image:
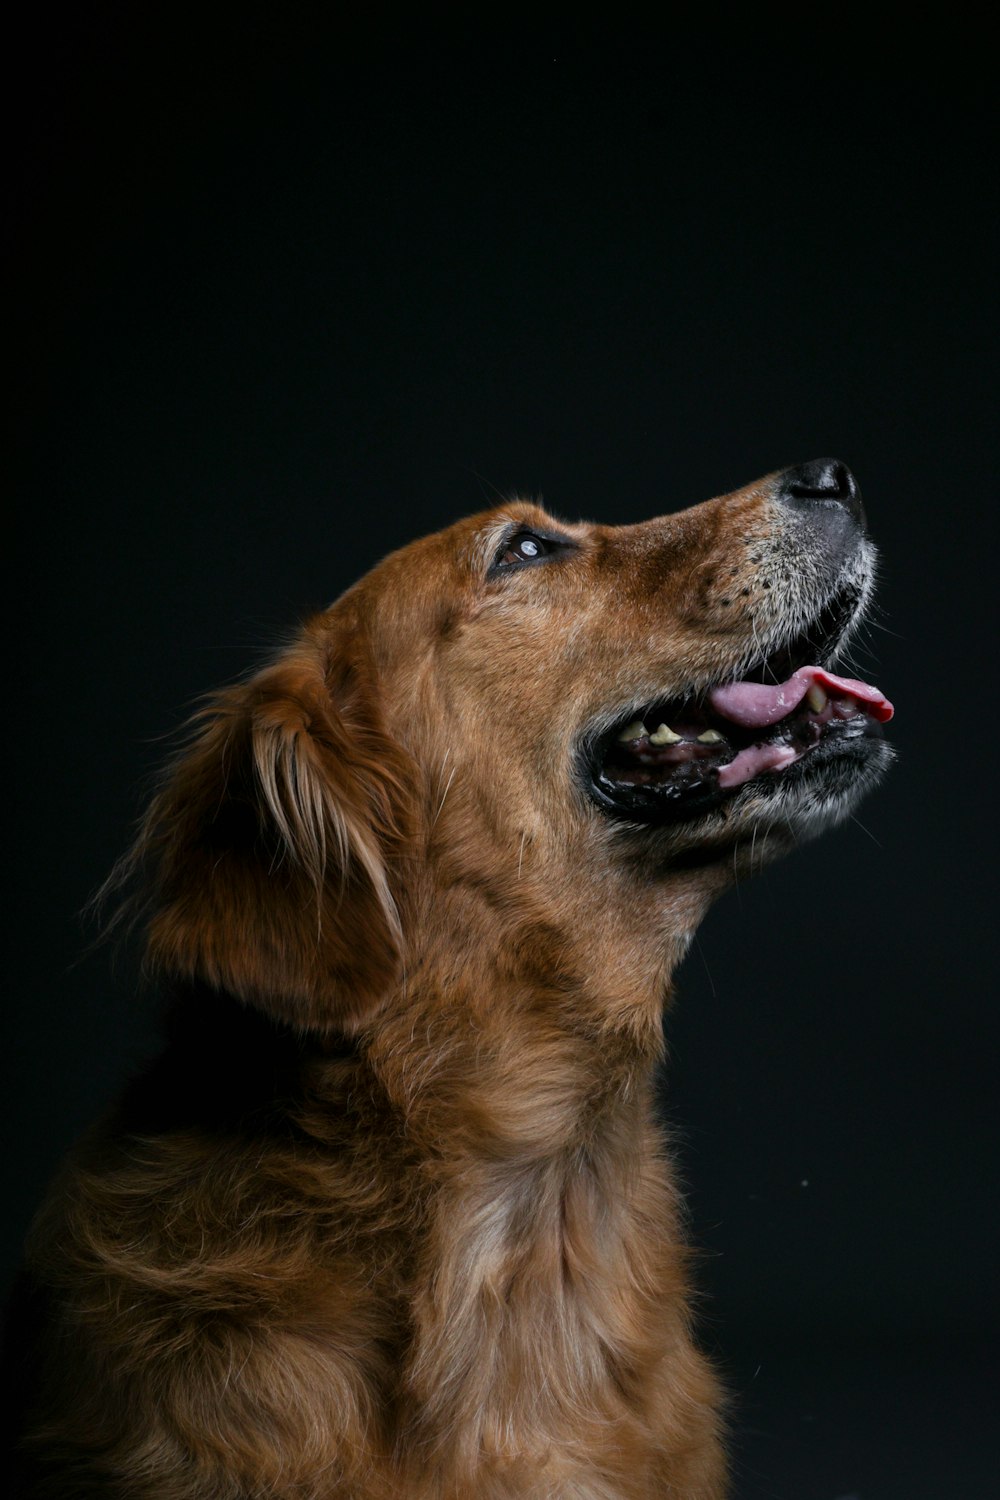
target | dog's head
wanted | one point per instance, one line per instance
(575, 719)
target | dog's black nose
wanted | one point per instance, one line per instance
(825, 481)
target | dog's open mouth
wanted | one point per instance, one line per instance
(679, 757)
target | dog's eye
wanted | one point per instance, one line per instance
(525, 547)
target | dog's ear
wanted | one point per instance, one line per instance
(274, 848)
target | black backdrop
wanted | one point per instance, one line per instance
(293, 293)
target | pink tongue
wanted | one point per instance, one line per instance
(752, 761)
(756, 705)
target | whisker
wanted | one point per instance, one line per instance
(868, 831)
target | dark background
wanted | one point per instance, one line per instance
(293, 292)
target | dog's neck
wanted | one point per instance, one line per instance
(531, 1106)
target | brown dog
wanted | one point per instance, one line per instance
(391, 1217)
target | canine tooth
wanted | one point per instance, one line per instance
(633, 731)
(664, 735)
(816, 698)
(710, 737)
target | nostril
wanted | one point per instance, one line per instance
(824, 481)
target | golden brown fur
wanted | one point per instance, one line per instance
(395, 1219)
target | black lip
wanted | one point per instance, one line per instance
(842, 742)
(648, 804)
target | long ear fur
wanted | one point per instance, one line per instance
(273, 847)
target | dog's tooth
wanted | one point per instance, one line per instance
(633, 731)
(664, 735)
(816, 698)
(710, 737)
